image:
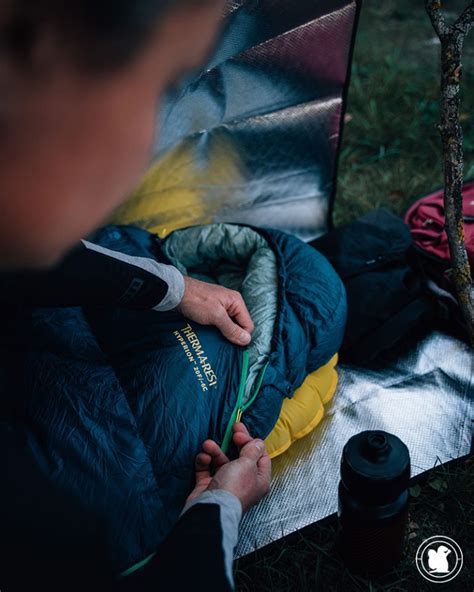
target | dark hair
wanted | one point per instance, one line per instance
(101, 34)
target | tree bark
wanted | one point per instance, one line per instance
(452, 38)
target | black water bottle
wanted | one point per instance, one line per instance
(373, 502)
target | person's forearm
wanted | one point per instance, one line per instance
(140, 282)
(230, 515)
(198, 553)
(93, 275)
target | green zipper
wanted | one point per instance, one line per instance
(137, 566)
(240, 408)
(238, 405)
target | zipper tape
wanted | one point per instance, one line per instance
(240, 408)
(238, 405)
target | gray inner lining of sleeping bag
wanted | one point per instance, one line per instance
(238, 258)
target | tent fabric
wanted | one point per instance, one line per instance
(254, 137)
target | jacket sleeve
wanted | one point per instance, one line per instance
(198, 554)
(93, 275)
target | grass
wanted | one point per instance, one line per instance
(391, 155)
(391, 149)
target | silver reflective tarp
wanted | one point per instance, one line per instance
(425, 396)
(254, 137)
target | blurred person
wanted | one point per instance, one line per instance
(79, 87)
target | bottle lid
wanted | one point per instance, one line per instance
(375, 466)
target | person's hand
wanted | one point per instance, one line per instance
(247, 477)
(210, 304)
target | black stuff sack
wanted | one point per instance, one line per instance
(387, 299)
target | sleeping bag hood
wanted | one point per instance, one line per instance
(116, 403)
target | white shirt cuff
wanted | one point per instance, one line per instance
(175, 280)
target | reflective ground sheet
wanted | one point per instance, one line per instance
(423, 393)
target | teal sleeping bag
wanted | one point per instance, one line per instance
(118, 402)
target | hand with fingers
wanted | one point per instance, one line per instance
(247, 477)
(210, 304)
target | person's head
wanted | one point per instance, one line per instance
(80, 81)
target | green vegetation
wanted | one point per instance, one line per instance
(391, 150)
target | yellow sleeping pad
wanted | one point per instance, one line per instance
(303, 412)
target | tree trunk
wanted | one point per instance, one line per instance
(452, 138)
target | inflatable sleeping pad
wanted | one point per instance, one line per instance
(118, 402)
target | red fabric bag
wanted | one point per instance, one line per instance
(426, 221)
